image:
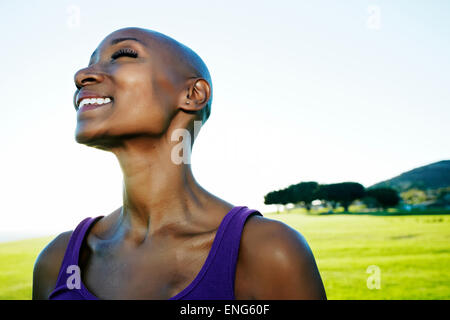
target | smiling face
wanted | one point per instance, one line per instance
(136, 82)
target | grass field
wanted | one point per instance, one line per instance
(412, 253)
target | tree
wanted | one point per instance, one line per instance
(278, 197)
(414, 196)
(370, 202)
(305, 193)
(325, 193)
(270, 198)
(386, 197)
(344, 193)
(443, 196)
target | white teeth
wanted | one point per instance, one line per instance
(94, 101)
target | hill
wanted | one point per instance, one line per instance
(433, 176)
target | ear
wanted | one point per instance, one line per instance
(196, 95)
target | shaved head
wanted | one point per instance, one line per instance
(180, 59)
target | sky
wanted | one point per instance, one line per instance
(325, 91)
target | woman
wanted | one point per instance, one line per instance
(171, 239)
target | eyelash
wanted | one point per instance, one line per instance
(125, 52)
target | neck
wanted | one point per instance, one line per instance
(159, 195)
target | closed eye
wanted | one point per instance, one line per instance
(124, 52)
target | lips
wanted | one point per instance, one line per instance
(93, 103)
(90, 100)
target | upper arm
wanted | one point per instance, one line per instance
(279, 262)
(47, 265)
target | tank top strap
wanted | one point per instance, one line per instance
(232, 237)
(216, 279)
(73, 248)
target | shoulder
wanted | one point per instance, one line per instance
(277, 262)
(47, 265)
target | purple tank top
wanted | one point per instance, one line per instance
(215, 281)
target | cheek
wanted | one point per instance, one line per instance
(139, 105)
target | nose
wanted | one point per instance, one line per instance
(87, 76)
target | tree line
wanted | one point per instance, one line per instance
(335, 194)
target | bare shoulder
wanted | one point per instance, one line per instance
(276, 262)
(47, 265)
(49, 260)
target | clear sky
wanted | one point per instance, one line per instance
(325, 91)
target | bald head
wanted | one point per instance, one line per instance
(181, 60)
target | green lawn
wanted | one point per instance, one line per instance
(411, 252)
(16, 267)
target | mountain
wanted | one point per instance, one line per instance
(433, 176)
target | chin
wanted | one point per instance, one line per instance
(96, 141)
(84, 139)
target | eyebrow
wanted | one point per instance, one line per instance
(116, 41)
